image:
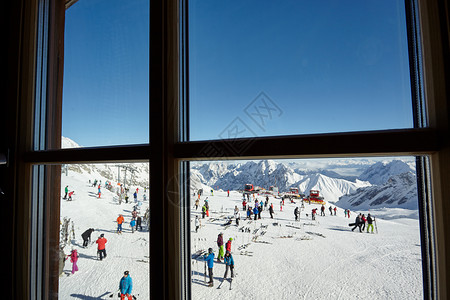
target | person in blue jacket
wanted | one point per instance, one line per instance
(256, 212)
(126, 286)
(229, 264)
(209, 259)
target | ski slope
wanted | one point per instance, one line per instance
(320, 259)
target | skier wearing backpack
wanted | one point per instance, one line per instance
(126, 286)
(209, 259)
(87, 236)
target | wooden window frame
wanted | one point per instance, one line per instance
(169, 149)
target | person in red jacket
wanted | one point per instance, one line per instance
(228, 245)
(101, 250)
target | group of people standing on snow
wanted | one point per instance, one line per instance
(361, 221)
(224, 254)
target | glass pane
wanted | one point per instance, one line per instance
(106, 73)
(264, 68)
(104, 226)
(290, 228)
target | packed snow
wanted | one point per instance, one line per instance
(283, 259)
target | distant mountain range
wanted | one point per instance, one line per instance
(380, 184)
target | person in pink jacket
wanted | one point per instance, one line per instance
(73, 259)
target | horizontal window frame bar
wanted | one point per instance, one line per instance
(129, 153)
(355, 144)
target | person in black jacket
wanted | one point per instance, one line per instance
(358, 223)
(87, 236)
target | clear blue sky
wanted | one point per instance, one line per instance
(327, 66)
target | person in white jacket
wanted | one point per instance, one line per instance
(237, 216)
(197, 223)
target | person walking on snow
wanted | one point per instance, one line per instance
(255, 212)
(132, 225)
(296, 213)
(345, 213)
(322, 210)
(139, 223)
(209, 259)
(87, 236)
(120, 220)
(357, 222)
(228, 193)
(197, 223)
(229, 264)
(244, 205)
(197, 203)
(126, 286)
(70, 195)
(271, 210)
(237, 217)
(101, 248)
(73, 259)
(66, 190)
(228, 245)
(220, 245)
(331, 210)
(335, 209)
(363, 222)
(370, 221)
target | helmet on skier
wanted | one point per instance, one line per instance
(210, 250)
(102, 235)
(231, 239)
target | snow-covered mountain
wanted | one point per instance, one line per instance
(380, 172)
(399, 191)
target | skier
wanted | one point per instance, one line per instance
(87, 236)
(271, 210)
(322, 211)
(197, 223)
(203, 211)
(229, 264)
(256, 212)
(348, 213)
(228, 245)
(220, 245)
(135, 196)
(197, 203)
(244, 205)
(66, 190)
(207, 207)
(73, 259)
(335, 209)
(345, 213)
(363, 222)
(132, 225)
(260, 208)
(261, 205)
(370, 221)
(249, 213)
(99, 191)
(134, 212)
(296, 213)
(237, 217)
(139, 223)
(331, 210)
(126, 286)
(357, 222)
(228, 193)
(281, 205)
(313, 213)
(209, 259)
(70, 196)
(120, 220)
(101, 249)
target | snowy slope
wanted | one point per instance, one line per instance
(293, 260)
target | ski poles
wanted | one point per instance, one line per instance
(375, 222)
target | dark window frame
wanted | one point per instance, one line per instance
(170, 150)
